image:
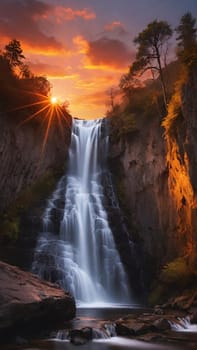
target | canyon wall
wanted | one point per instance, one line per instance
(25, 157)
(182, 163)
(156, 181)
(30, 168)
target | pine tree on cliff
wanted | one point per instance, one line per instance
(152, 51)
(14, 53)
(187, 44)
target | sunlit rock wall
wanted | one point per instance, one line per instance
(182, 163)
(156, 180)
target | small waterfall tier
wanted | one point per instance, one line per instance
(76, 248)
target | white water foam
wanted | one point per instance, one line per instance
(183, 325)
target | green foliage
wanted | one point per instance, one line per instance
(138, 107)
(122, 124)
(176, 273)
(10, 227)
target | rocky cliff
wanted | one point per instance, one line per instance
(30, 168)
(156, 180)
(182, 164)
(141, 177)
(24, 155)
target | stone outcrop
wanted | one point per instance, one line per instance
(26, 155)
(29, 305)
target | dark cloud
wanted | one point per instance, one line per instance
(116, 28)
(109, 52)
(19, 19)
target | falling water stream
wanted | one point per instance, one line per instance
(82, 257)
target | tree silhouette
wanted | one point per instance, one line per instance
(25, 71)
(152, 50)
(187, 33)
(14, 53)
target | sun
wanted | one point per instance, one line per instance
(53, 100)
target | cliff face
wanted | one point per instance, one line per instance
(144, 192)
(182, 163)
(23, 158)
(30, 168)
(158, 180)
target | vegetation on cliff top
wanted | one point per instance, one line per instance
(159, 95)
(187, 56)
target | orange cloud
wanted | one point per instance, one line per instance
(81, 43)
(95, 98)
(108, 53)
(96, 83)
(67, 14)
(50, 70)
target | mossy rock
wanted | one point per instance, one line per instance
(11, 228)
(175, 277)
(178, 272)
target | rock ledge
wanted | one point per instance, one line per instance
(28, 304)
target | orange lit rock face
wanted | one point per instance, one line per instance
(182, 181)
(182, 198)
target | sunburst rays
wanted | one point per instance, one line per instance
(47, 108)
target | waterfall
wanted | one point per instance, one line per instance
(76, 248)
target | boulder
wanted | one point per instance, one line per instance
(28, 304)
(162, 324)
(80, 336)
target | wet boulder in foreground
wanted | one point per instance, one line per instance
(29, 305)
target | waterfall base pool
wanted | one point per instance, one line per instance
(93, 318)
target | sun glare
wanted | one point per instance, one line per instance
(53, 100)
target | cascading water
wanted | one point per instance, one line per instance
(82, 258)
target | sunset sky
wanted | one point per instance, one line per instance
(83, 46)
